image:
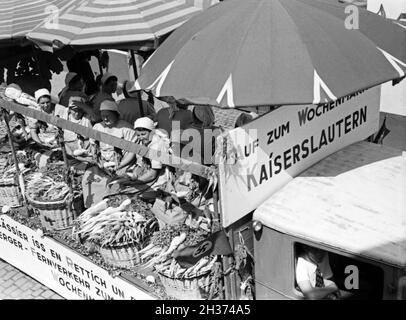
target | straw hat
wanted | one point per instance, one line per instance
(70, 76)
(109, 105)
(205, 114)
(72, 99)
(107, 76)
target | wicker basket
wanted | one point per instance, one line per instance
(10, 193)
(124, 256)
(57, 215)
(193, 288)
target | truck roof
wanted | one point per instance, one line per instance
(353, 200)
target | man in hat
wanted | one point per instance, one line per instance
(73, 88)
(129, 107)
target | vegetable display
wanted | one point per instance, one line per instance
(43, 188)
(172, 269)
(158, 254)
(8, 169)
(113, 226)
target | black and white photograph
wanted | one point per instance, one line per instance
(202, 155)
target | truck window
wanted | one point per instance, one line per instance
(356, 280)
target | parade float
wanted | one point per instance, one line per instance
(125, 247)
(129, 248)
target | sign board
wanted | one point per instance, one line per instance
(64, 271)
(276, 147)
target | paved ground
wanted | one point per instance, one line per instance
(15, 284)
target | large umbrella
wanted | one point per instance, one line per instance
(118, 23)
(275, 52)
(18, 17)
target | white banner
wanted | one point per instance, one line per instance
(275, 148)
(59, 268)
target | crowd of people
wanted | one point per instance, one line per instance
(160, 124)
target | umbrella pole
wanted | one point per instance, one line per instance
(13, 151)
(100, 67)
(135, 78)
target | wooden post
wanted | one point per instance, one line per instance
(217, 217)
(229, 280)
(65, 160)
(13, 151)
(135, 78)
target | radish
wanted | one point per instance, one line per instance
(210, 265)
(93, 210)
(151, 252)
(148, 247)
(174, 244)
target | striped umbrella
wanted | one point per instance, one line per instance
(118, 23)
(275, 52)
(18, 17)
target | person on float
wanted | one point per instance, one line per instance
(129, 107)
(80, 63)
(147, 174)
(76, 145)
(108, 87)
(41, 132)
(74, 86)
(202, 127)
(111, 160)
(177, 116)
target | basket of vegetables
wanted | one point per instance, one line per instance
(51, 199)
(10, 193)
(118, 232)
(191, 282)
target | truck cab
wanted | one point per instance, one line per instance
(351, 205)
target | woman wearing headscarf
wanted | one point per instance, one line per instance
(147, 174)
(111, 160)
(42, 133)
(76, 145)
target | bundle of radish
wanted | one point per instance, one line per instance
(116, 230)
(172, 269)
(165, 241)
(8, 169)
(187, 283)
(51, 198)
(42, 188)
